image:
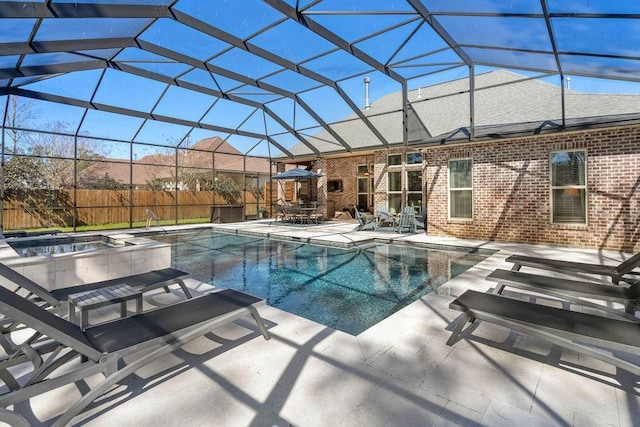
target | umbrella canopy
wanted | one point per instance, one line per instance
(297, 174)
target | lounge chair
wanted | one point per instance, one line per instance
(585, 333)
(572, 290)
(406, 221)
(365, 223)
(103, 348)
(615, 272)
(57, 298)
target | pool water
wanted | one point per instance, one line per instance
(345, 289)
(47, 247)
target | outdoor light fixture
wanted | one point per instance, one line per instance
(368, 160)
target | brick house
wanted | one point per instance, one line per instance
(524, 177)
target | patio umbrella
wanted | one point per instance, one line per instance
(297, 175)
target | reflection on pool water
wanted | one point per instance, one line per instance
(346, 289)
(58, 245)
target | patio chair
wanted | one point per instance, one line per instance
(364, 223)
(315, 213)
(572, 290)
(384, 217)
(407, 220)
(602, 338)
(280, 213)
(421, 220)
(614, 272)
(140, 339)
(57, 298)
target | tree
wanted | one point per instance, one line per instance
(20, 113)
(227, 188)
(106, 182)
(157, 184)
(57, 153)
(23, 173)
(256, 190)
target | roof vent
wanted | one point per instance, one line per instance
(367, 104)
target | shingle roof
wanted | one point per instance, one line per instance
(502, 100)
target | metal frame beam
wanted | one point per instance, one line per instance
(554, 47)
(297, 16)
(39, 12)
(48, 9)
(128, 112)
(439, 29)
(264, 54)
(202, 89)
(54, 46)
(51, 70)
(75, 10)
(158, 50)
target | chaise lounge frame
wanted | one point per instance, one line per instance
(57, 298)
(570, 329)
(102, 348)
(616, 273)
(572, 290)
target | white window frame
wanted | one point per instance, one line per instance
(450, 190)
(395, 169)
(579, 187)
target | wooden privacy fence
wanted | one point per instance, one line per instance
(27, 209)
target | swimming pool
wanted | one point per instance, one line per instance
(345, 289)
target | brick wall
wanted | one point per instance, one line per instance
(511, 188)
(511, 194)
(345, 169)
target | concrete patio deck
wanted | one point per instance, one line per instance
(400, 372)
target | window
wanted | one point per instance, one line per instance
(394, 160)
(363, 169)
(414, 158)
(334, 186)
(365, 196)
(414, 190)
(460, 189)
(569, 187)
(394, 191)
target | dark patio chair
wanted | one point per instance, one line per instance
(53, 350)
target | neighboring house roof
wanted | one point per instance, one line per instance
(147, 168)
(505, 104)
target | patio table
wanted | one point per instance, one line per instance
(97, 298)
